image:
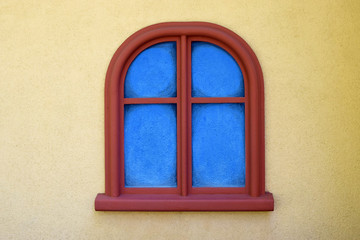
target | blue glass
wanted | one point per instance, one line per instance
(218, 145)
(150, 145)
(214, 72)
(153, 72)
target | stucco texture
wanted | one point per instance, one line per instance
(53, 59)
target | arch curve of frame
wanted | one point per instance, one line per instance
(256, 197)
(174, 29)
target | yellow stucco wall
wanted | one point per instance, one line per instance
(53, 59)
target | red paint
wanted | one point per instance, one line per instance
(173, 202)
(184, 119)
(218, 100)
(150, 100)
(184, 197)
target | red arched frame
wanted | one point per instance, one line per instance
(184, 198)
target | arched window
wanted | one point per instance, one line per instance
(184, 122)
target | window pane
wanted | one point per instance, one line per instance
(150, 145)
(218, 145)
(214, 72)
(153, 72)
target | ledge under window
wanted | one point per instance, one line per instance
(198, 202)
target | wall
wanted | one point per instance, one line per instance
(53, 59)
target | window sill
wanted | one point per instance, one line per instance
(200, 202)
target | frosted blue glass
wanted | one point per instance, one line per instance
(218, 145)
(150, 145)
(214, 72)
(153, 72)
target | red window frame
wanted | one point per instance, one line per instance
(184, 197)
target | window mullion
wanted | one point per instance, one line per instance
(218, 100)
(149, 100)
(184, 102)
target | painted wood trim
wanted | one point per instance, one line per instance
(204, 202)
(150, 100)
(218, 100)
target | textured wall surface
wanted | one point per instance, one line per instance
(53, 59)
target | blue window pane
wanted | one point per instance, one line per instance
(215, 73)
(150, 145)
(153, 72)
(218, 145)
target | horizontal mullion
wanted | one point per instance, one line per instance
(218, 100)
(149, 100)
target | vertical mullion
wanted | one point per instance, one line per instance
(183, 107)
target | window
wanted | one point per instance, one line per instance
(184, 122)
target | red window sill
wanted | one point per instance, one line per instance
(200, 202)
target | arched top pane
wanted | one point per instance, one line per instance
(153, 72)
(215, 73)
